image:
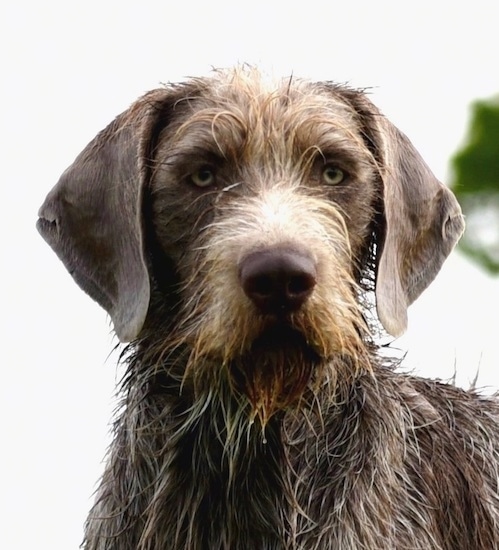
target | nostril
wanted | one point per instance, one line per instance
(300, 283)
(278, 280)
(260, 285)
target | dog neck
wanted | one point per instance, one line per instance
(206, 467)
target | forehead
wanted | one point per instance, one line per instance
(262, 96)
(246, 111)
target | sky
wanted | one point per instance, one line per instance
(68, 68)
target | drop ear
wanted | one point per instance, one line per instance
(423, 222)
(92, 218)
(422, 218)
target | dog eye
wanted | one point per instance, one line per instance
(332, 175)
(204, 177)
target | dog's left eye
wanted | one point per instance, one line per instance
(332, 175)
(204, 177)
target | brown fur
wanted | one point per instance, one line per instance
(247, 429)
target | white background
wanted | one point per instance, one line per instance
(68, 68)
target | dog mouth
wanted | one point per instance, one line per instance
(276, 370)
(281, 336)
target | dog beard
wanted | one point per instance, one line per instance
(275, 371)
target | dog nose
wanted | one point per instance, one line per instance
(278, 280)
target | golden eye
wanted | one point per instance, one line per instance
(332, 175)
(204, 177)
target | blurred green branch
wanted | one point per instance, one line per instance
(476, 185)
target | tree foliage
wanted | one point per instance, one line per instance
(476, 184)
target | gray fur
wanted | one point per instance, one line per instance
(242, 428)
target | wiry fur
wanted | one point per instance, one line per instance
(246, 430)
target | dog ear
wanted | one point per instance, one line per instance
(423, 222)
(422, 219)
(92, 218)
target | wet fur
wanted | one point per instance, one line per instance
(392, 462)
(239, 430)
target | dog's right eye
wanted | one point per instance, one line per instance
(204, 177)
(332, 175)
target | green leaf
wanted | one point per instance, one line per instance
(476, 185)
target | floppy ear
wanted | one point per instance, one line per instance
(92, 218)
(423, 220)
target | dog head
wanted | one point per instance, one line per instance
(100, 217)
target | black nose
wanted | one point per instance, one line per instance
(277, 280)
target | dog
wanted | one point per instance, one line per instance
(249, 238)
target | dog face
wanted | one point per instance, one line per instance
(234, 161)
